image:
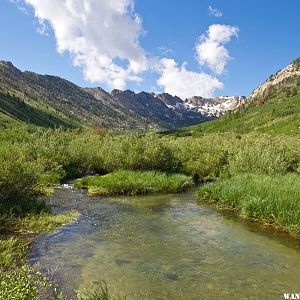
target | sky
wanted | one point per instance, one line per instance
(183, 47)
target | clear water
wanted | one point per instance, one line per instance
(166, 247)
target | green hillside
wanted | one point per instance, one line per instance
(14, 110)
(51, 101)
(274, 111)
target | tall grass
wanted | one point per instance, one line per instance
(272, 199)
(19, 176)
(262, 156)
(31, 157)
(132, 183)
(12, 252)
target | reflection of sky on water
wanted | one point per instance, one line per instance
(167, 247)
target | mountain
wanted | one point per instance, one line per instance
(283, 79)
(14, 110)
(50, 101)
(214, 107)
(60, 98)
(272, 108)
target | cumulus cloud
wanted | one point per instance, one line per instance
(103, 39)
(101, 36)
(215, 12)
(20, 5)
(210, 49)
(177, 80)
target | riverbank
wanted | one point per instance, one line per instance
(169, 242)
(271, 200)
(19, 280)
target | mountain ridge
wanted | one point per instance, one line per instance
(272, 108)
(76, 106)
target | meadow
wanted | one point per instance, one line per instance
(254, 175)
(34, 160)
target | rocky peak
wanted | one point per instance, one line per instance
(7, 66)
(290, 71)
(97, 92)
(169, 99)
(214, 107)
(116, 92)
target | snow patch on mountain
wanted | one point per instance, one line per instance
(214, 107)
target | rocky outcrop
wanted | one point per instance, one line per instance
(280, 78)
(214, 107)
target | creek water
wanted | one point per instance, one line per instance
(165, 247)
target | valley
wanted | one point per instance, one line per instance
(116, 188)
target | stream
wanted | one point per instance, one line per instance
(165, 247)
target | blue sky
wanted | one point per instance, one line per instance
(265, 39)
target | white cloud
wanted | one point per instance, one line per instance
(164, 51)
(215, 12)
(42, 27)
(210, 50)
(183, 83)
(101, 36)
(20, 5)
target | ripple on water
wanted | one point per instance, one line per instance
(167, 247)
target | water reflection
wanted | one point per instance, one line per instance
(167, 247)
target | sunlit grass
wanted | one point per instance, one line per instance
(12, 251)
(132, 183)
(271, 199)
(18, 280)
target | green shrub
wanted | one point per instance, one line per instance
(85, 155)
(143, 153)
(21, 283)
(12, 252)
(262, 155)
(18, 176)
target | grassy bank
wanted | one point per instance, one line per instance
(18, 280)
(132, 183)
(270, 199)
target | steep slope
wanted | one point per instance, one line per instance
(13, 110)
(71, 105)
(51, 101)
(273, 108)
(59, 97)
(283, 80)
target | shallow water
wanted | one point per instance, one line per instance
(166, 247)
